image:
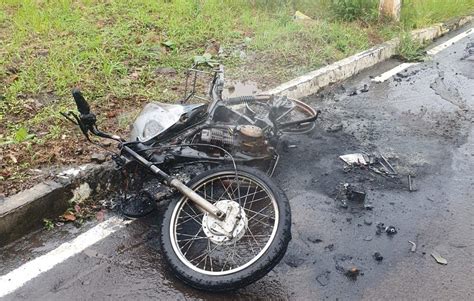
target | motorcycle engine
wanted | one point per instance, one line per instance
(249, 139)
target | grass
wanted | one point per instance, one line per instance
(410, 50)
(420, 13)
(112, 49)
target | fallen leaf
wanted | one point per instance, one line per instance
(77, 208)
(69, 217)
(100, 216)
(13, 158)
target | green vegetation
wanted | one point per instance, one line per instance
(420, 13)
(114, 51)
(410, 50)
(351, 10)
(48, 224)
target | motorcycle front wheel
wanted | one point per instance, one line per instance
(215, 255)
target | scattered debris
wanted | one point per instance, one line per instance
(353, 273)
(387, 164)
(353, 92)
(399, 77)
(380, 228)
(377, 164)
(350, 192)
(323, 278)
(353, 193)
(377, 256)
(315, 240)
(329, 247)
(439, 259)
(382, 166)
(413, 246)
(345, 265)
(391, 230)
(411, 186)
(286, 146)
(343, 204)
(369, 207)
(355, 159)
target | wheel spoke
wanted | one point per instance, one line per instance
(222, 257)
(192, 238)
(190, 242)
(192, 217)
(255, 213)
(253, 237)
(260, 221)
(225, 191)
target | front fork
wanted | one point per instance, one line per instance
(173, 182)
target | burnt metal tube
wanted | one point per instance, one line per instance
(196, 198)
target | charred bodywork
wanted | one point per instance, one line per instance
(243, 130)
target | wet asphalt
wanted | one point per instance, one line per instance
(420, 120)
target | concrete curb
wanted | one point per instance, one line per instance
(25, 211)
(314, 81)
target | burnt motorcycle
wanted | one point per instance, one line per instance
(230, 225)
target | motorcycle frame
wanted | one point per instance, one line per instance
(130, 151)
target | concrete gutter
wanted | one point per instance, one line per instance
(314, 81)
(24, 212)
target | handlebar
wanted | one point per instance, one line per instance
(82, 105)
(86, 120)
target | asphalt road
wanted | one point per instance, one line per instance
(421, 120)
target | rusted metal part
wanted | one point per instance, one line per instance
(250, 131)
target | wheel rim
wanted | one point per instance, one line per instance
(300, 111)
(297, 110)
(202, 253)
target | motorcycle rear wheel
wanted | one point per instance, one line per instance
(202, 256)
(298, 114)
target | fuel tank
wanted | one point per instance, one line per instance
(156, 118)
